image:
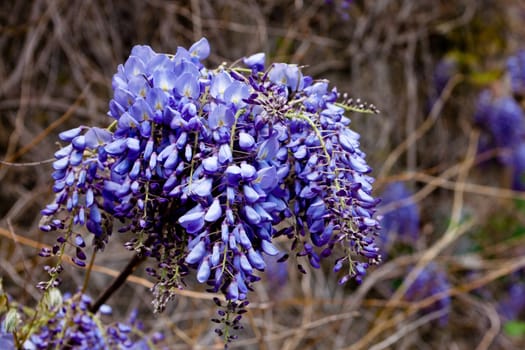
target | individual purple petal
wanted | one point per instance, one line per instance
(236, 93)
(76, 157)
(214, 211)
(105, 309)
(256, 260)
(365, 197)
(201, 49)
(135, 170)
(288, 75)
(89, 197)
(94, 214)
(323, 238)
(166, 152)
(309, 191)
(172, 161)
(255, 62)
(211, 164)
(338, 265)
(50, 209)
(232, 292)
(96, 137)
(116, 147)
(316, 210)
(233, 174)
(268, 149)
(78, 262)
(246, 141)
(69, 135)
(269, 248)
(79, 241)
(203, 272)
(61, 163)
(79, 142)
(63, 152)
(123, 166)
(359, 164)
(133, 144)
(267, 178)
(245, 264)
(163, 79)
(201, 187)
(347, 142)
(193, 222)
(225, 232)
(250, 194)
(225, 154)
(262, 213)
(251, 215)
(187, 85)
(244, 240)
(153, 161)
(216, 255)
(219, 84)
(248, 172)
(197, 253)
(301, 152)
(188, 152)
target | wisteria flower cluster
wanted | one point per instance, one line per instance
(65, 322)
(208, 168)
(503, 120)
(402, 219)
(430, 282)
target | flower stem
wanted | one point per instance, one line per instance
(119, 281)
(88, 271)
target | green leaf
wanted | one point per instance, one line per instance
(514, 328)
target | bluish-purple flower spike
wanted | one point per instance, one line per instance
(431, 281)
(203, 166)
(516, 72)
(71, 323)
(503, 120)
(401, 220)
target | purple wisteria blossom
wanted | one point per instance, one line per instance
(207, 167)
(502, 121)
(516, 72)
(70, 325)
(402, 220)
(430, 282)
(512, 305)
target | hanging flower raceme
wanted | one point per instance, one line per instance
(208, 167)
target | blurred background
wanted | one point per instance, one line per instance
(447, 151)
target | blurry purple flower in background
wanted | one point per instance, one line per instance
(502, 121)
(512, 306)
(276, 275)
(431, 281)
(518, 168)
(401, 220)
(443, 71)
(516, 72)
